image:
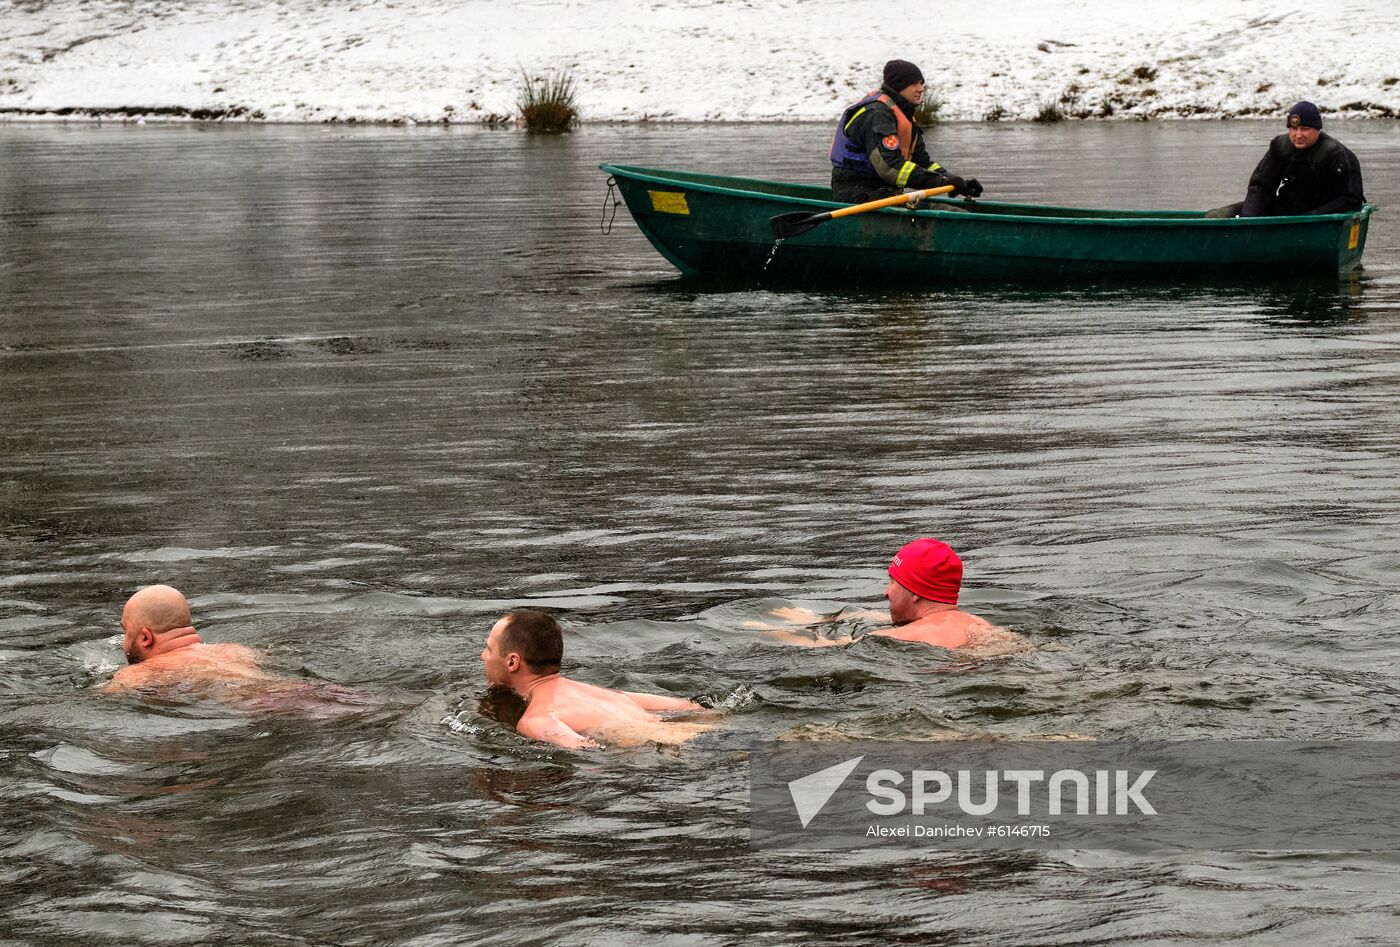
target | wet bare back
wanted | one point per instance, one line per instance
(199, 663)
(230, 674)
(953, 629)
(960, 631)
(572, 713)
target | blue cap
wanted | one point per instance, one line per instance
(1304, 115)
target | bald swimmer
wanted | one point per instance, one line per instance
(162, 646)
(925, 581)
(164, 650)
(523, 653)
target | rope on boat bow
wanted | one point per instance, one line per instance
(609, 212)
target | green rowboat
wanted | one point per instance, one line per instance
(717, 226)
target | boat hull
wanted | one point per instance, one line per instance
(712, 225)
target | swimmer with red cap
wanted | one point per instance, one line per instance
(925, 580)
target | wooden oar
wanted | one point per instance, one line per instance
(790, 225)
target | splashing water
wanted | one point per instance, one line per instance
(741, 696)
(772, 253)
(456, 724)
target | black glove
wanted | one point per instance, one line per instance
(957, 182)
(972, 188)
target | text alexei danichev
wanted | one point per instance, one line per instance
(957, 831)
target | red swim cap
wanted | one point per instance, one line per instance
(930, 569)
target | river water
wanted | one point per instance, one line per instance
(358, 390)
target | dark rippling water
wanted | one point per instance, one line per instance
(356, 391)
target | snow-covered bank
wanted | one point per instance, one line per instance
(730, 60)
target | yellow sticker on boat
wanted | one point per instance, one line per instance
(669, 202)
(1355, 236)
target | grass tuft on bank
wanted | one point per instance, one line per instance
(547, 103)
(926, 112)
(1050, 112)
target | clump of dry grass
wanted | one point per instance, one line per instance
(1050, 112)
(546, 103)
(926, 112)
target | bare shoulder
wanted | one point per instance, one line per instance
(548, 727)
(567, 690)
(230, 652)
(197, 662)
(535, 721)
(567, 684)
(531, 718)
(948, 629)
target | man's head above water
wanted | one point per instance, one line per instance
(155, 620)
(926, 576)
(524, 644)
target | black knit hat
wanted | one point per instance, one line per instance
(899, 75)
(1303, 115)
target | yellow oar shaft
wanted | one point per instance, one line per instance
(913, 197)
(798, 223)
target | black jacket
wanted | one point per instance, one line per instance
(872, 128)
(1323, 179)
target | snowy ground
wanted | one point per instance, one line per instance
(680, 60)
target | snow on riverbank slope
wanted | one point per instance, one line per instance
(730, 60)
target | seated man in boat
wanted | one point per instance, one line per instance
(879, 149)
(925, 581)
(164, 650)
(523, 653)
(1305, 171)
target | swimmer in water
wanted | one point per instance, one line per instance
(164, 650)
(523, 653)
(162, 646)
(925, 581)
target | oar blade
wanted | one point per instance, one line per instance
(790, 225)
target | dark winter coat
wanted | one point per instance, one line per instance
(1323, 179)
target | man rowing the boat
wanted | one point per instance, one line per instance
(523, 653)
(879, 149)
(925, 581)
(1305, 171)
(163, 650)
